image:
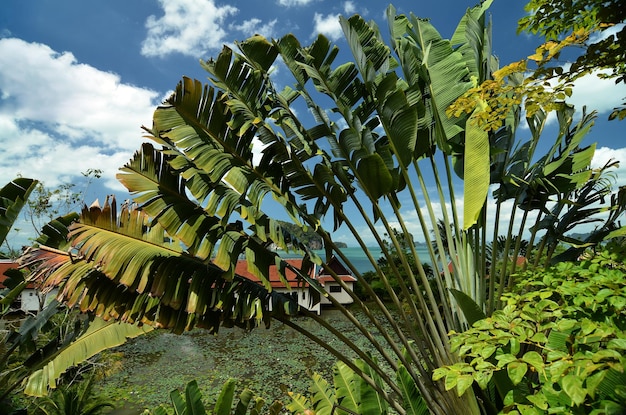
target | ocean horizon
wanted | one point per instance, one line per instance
(359, 259)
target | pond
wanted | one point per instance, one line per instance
(270, 362)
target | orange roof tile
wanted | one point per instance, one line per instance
(6, 265)
(275, 282)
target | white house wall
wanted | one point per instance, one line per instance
(304, 298)
(29, 300)
(342, 297)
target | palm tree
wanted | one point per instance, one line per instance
(200, 195)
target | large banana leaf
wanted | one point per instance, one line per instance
(100, 335)
(476, 173)
(13, 196)
(347, 393)
(122, 263)
(413, 401)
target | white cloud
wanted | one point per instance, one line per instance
(597, 94)
(292, 3)
(349, 7)
(257, 150)
(59, 118)
(327, 25)
(611, 31)
(189, 27)
(605, 154)
(255, 26)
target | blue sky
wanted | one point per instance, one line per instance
(79, 78)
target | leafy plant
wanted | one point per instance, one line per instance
(560, 339)
(99, 335)
(191, 402)
(365, 162)
(37, 354)
(77, 399)
(13, 197)
(350, 394)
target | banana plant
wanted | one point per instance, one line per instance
(35, 356)
(191, 403)
(350, 394)
(78, 399)
(379, 153)
(13, 197)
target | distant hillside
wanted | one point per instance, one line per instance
(310, 239)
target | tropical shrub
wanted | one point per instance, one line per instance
(191, 402)
(350, 394)
(560, 341)
(35, 355)
(73, 399)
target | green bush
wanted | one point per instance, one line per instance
(557, 345)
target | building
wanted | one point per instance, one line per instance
(307, 296)
(333, 287)
(29, 300)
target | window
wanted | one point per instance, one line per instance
(335, 288)
(304, 295)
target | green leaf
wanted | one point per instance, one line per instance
(516, 371)
(260, 51)
(619, 344)
(225, 399)
(505, 359)
(472, 311)
(476, 171)
(375, 176)
(370, 400)
(345, 387)
(535, 360)
(299, 403)
(413, 402)
(244, 402)
(573, 387)
(13, 196)
(100, 335)
(452, 377)
(483, 378)
(606, 354)
(463, 383)
(539, 400)
(178, 402)
(323, 397)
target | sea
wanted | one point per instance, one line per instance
(358, 257)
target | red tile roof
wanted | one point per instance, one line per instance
(5, 265)
(275, 282)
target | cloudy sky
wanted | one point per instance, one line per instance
(79, 78)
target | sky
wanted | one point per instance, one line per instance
(79, 78)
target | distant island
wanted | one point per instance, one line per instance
(310, 238)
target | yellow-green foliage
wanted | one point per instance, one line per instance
(560, 339)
